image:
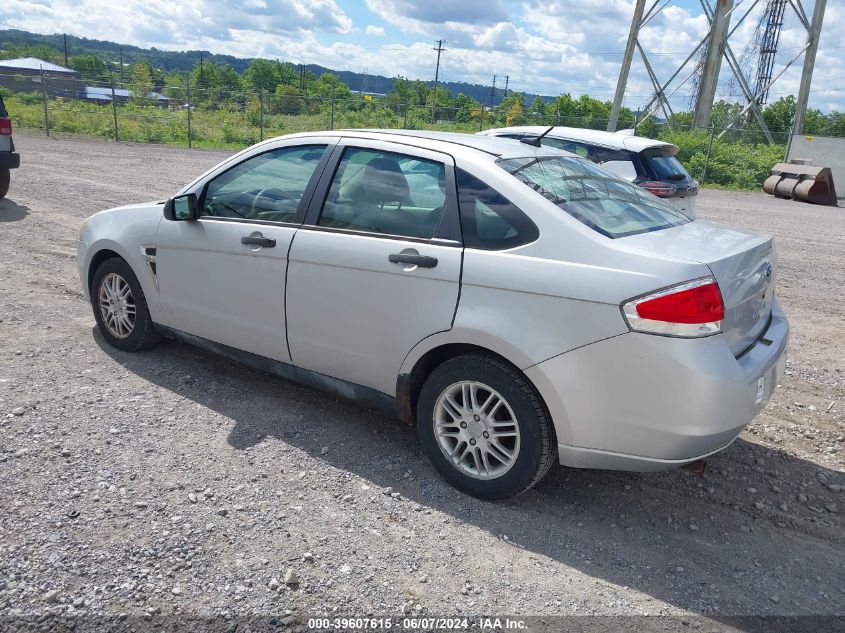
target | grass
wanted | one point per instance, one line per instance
(731, 164)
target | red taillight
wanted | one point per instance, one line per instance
(659, 189)
(690, 309)
(701, 304)
(5, 126)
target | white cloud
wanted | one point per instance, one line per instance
(543, 46)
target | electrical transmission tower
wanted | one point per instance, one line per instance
(713, 49)
(771, 23)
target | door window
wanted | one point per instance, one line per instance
(569, 146)
(489, 220)
(265, 187)
(384, 192)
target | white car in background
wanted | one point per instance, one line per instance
(646, 162)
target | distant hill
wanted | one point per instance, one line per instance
(185, 60)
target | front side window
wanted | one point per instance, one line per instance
(596, 197)
(385, 192)
(268, 187)
(490, 221)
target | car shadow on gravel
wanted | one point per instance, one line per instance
(12, 211)
(738, 540)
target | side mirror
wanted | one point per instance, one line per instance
(182, 207)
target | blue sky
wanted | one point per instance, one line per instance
(548, 47)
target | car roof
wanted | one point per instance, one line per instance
(623, 139)
(453, 143)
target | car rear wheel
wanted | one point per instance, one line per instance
(5, 177)
(484, 427)
(120, 307)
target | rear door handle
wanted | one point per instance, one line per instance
(258, 240)
(423, 261)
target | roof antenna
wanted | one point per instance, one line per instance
(535, 141)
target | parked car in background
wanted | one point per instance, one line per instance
(521, 305)
(646, 162)
(9, 159)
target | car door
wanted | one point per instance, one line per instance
(222, 276)
(376, 267)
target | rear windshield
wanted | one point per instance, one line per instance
(591, 195)
(663, 165)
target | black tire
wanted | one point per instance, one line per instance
(538, 444)
(143, 334)
(5, 178)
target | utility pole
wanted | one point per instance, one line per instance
(507, 78)
(809, 62)
(200, 68)
(121, 64)
(364, 83)
(439, 48)
(301, 79)
(493, 92)
(65, 38)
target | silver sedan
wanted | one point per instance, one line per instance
(519, 304)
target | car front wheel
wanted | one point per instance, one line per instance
(120, 307)
(485, 427)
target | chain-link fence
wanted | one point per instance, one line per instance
(202, 116)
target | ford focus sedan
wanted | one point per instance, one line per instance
(520, 305)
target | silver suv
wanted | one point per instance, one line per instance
(520, 305)
(9, 159)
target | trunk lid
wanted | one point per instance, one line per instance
(743, 263)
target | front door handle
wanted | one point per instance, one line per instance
(423, 261)
(258, 240)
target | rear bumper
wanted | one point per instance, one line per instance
(10, 160)
(643, 402)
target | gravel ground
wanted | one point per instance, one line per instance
(175, 482)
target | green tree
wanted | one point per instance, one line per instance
(216, 84)
(779, 114)
(466, 108)
(90, 67)
(287, 100)
(329, 86)
(140, 84)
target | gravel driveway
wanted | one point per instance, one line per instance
(175, 482)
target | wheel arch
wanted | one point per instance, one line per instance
(98, 258)
(421, 362)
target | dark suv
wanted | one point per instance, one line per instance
(9, 159)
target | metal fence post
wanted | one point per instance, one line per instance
(481, 119)
(188, 100)
(44, 97)
(405, 123)
(709, 150)
(114, 110)
(261, 110)
(331, 120)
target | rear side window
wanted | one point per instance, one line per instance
(388, 193)
(663, 165)
(596, 197)
(490, 221)
(570, 146)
